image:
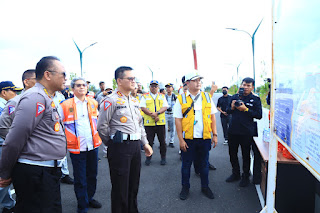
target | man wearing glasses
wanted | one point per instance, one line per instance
(154, 105)
(36, 143)
(121, 128)
(79, 115)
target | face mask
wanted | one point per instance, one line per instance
(224, 92)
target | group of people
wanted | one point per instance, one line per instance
(40, 125)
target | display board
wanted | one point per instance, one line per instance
(296, 37)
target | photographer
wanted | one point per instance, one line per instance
(244, 107)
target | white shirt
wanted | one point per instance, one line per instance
(198, 126)
(83, 130)
(154, 96)
(3, 102)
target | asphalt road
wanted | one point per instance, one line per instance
(160, 185)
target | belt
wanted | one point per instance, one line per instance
(46, 163)
(131, 137)
(169, 113)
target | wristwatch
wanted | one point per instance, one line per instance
(215, 135)
(158, 113)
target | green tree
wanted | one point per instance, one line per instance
(233, 89)
(73, 75)
(114, 83)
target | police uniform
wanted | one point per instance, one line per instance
(241, 131)
(6, 119)
(32, 152)
(121, 128)
(196, 131)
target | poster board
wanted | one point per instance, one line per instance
(296, 42)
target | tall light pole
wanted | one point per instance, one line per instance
(238, 74)
(151, 72)
(81, 52)
(252, 42)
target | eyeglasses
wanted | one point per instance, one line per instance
(63, 73)
(79, 85)
(130, 78)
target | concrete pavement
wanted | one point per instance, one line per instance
(160, 185)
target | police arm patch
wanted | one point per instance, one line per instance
(11, 109)
(40, 109)
(106, 104)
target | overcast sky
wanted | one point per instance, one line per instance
(141, 34)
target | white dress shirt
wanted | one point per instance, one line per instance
(198, 126)
(83, 128)
(154, 96)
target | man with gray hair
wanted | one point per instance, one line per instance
(79, 115)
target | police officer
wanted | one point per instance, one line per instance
(36, 143)
(7, 94)
(222, 104)
(244, 108)
(195, 122)
(121, 128)
(171, 99)
(154, 105)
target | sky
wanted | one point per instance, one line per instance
(145, 35)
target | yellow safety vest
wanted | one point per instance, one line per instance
(188, 119)
(154, 106)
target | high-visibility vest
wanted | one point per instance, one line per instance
(154, 106)
(70, 123)
(188, 119)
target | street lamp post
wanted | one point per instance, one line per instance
(252, 42)
(151, 72)
(81, 52)
(238, 74)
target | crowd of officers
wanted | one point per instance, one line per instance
(40, 125)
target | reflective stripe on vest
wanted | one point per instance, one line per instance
(70, 122)
(188, 120)
(150, 105)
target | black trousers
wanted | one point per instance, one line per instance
(245, 142)
(37, 189)
(124, 165)
(225, 122)
(161, 133)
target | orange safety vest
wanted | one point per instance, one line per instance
(70, 123)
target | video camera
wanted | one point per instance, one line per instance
(238, 102)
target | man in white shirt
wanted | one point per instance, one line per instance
(196, 129)
(79, 115)
(171, 99)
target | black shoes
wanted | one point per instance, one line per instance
(163, 161)
(171, 145)
(207, 192)
(212, 167)
(67, 179)
(95, 204)
(148, 161)
(184, 193)
(5, 210)
(233, 178)
(244, 181)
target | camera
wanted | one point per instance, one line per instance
(169, 109)
(238, 102)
